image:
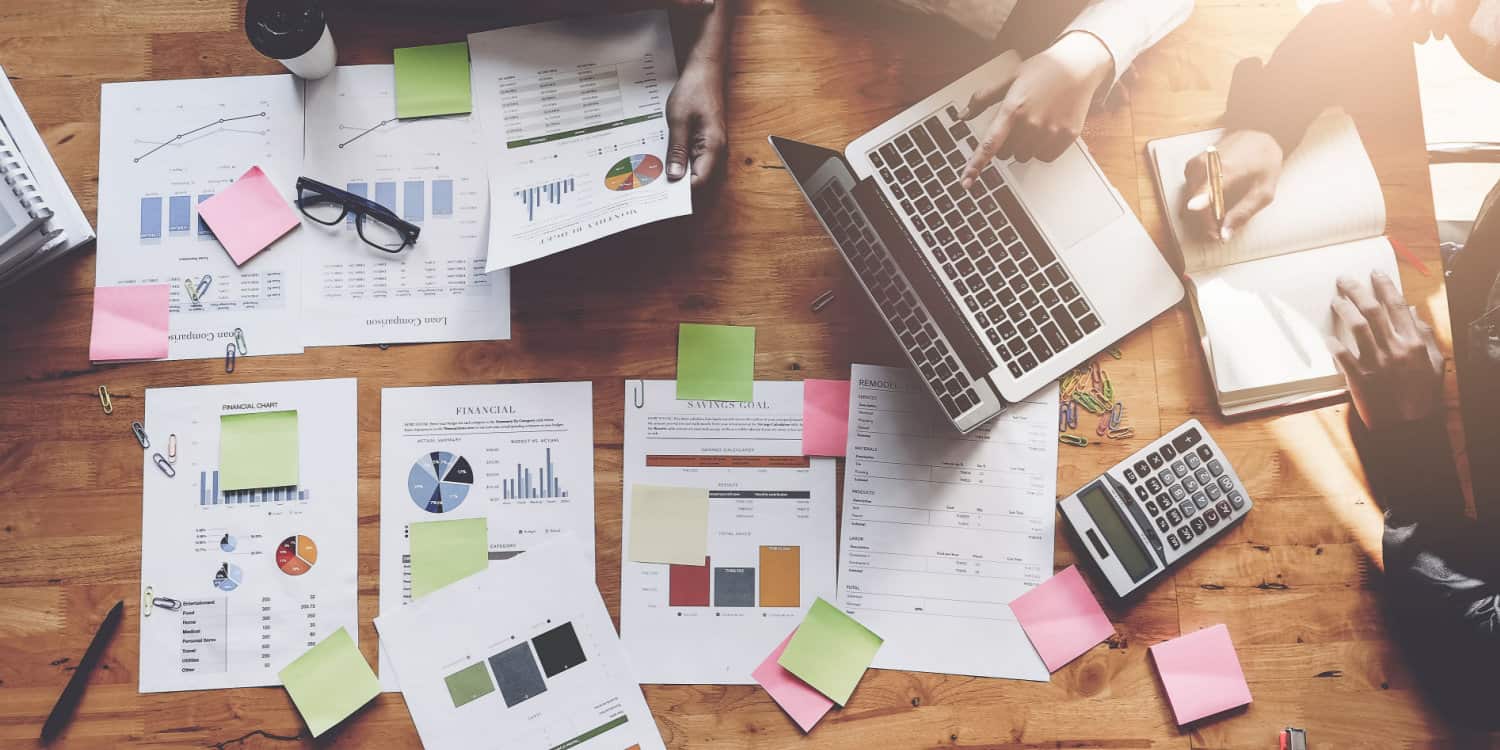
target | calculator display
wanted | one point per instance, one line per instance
(1122, 539)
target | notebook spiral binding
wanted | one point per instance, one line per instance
(18, 180)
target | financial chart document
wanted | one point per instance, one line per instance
(261, 575)
(771, 532)
(518, 454)
(428, 171)
(574, 114)
(941, 531)
(165, 147)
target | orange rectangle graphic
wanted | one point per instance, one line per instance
(780, 576)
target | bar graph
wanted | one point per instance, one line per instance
(210, 494)
(413, 204)
(412, 195)
(529, 484)
(442, 197)
(554, 191)
(203, 230)
(151, 217)
(385, 194)
(179, 214)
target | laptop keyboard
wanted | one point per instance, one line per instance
(1024, 299)
(919, 336)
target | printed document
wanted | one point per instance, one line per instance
(523, 656)
(520, 455)
(236, 584)
(574, 114)
(771, 532)
(942, 530)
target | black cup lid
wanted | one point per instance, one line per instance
(283, 29)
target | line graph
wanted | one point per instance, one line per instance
(180, 136)
(364, 132)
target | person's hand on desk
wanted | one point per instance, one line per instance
(695, 118)
(1251, 162)
(1043, 108)
(1389, 357)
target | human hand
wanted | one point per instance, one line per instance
(1389, 357)
(695, 120)
(1044, 106)
(1251, 162)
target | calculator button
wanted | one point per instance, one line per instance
(1226, 484)
(1211, 516)
(1216, 467)
(1214, 493)
(1184, 442)
(1162, 501)
(1192, 461)
(1179, 469)
(1168, 452)
(1223, 507)
(1202, 476)
(1188, 509)
(1237, 500)
(1200, 500)
(1161, 523)
(1142, 469)
(1174, 516)
(1199, 526)
(1130, 475)
(1152, 509)
(1186, 534)
(1167, 477)
(1155, 461)
(1153, 485)
(1172, 540)
(1205, 452)
(1190, 484)
(1178, 492)
(1141, 493)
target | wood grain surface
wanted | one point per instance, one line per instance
(1297, 583)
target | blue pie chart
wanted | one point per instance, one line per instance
(228, 577)
(439, 481)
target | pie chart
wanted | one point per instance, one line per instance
(228, 578)
(228, 543)
(439, 481)
(633, 172)
(296, 555)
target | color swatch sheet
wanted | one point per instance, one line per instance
(942, 530)
(168, 146)
(520, 455)
(263, 574)
(527, 657)
(574, 114)
(771, 531)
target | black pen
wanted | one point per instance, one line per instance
(70, 694)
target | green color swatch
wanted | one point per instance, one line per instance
(433, 80)
(330, 681)
(445, 551)
(258, 450)
(470, 683)
(830, 651)
(715, 363)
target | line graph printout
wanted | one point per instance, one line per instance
(574, 114)
(166, 147)
(429, 171)
(942, 530)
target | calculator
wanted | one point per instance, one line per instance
(1155, 508)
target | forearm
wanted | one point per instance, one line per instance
(1129, 27)
(708, 52)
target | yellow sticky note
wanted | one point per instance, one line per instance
(830, 651)
(668, 524)
(330, 681)
(445, 551)
(257, 450)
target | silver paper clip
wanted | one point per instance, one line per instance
(203, 285)
(163, 464)
(187, 285)
(822, 301)
(172, 448)
(239, 341)
(105, 401)
(169, 604)
(229, 358)
(140, 434)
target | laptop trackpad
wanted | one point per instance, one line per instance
(1069, 196)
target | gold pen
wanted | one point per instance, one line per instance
(1215, 183)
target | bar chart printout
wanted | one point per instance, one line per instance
(542, 482)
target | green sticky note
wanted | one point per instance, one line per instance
(668, 524)
(716, 363)
(258, 450)
(830, 651)
(433, 80)
(445, 551)
(330, 681)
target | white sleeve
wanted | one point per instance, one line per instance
(1129, 27)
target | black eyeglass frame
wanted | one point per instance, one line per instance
(360, 207)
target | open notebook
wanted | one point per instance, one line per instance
(1262, 299)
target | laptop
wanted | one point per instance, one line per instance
(996, 291)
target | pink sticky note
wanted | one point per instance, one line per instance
(1062, 618)
(801, 701)
(1201, 673)
(825, 417)
(248, 215)
(130, 322)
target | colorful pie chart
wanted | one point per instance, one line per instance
(439, 481)
(296, 555)
(633, 172)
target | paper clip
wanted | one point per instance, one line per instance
(170, 605)
(105, 401)
(383, 347)
(1073, 440)
(639, 397)
(1103, 425)
(1122, 433)
(1115, 415)
(1108, 389)
(1114, 351)
(1062, 418)
(172, 448)
(822, 301)
(1072, 415)
(140, 434)
(164, 465)
(229, 358)
(203, 285)
(239, 341)
(187, 285)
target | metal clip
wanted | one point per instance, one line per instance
(1072, 415)
(229, 358)
(640, 395)
(172, 448)
(163, 464)
(1116, 414)
(1108, 389)
(1103, 425)
(1114, 351)
(192, 293)
(140, 434)
(169, 604)
(1073, 440)
(239, 341)
(105, 401)
(822, 301)
(1122, 433)
(146, 605)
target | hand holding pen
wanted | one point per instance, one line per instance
(1222, 199)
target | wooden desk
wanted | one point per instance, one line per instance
(1293, 583)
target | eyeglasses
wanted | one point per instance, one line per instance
(377, 225)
